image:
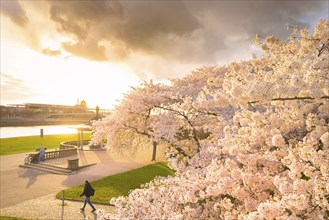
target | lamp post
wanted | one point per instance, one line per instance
(41, 136)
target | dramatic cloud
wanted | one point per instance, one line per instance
(50, 52)
(90, 50)
(14, 11)
(129, 27)
(117, 43)
(157, 38)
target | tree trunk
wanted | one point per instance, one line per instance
(155, 144)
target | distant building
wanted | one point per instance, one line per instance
(83, 103)
(31, 109)
(37, 114)
(14, 111)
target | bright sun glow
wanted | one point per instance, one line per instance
(62, 80)
(57, 79)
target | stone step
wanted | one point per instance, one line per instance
(49, 168)
(53, 167)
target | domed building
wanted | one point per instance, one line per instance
(83, 103)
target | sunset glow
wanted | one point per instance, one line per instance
(229, 100)
(62, 80)
(56, 52)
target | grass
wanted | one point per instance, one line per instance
(11, 218)
(119, 184)
(30, 143)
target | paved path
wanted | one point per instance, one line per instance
(49, 208)
(20, 185)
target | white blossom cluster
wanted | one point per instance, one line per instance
(263, 152)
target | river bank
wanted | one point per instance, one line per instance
(21, 131)
(17, 122)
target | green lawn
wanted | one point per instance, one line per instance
(119, 184)
(11, 218)
(29, 144)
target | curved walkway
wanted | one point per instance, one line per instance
(21, 187)
(49, 208)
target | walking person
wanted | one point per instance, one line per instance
(87, 192)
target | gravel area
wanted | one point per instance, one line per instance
(49, 208)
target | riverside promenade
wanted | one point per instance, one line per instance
(31, 193)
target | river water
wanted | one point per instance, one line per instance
(6, 132)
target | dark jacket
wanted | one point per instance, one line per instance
(88, 190)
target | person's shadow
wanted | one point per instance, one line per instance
(92, 216)
(30, 174)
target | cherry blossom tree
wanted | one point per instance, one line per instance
(265, 154)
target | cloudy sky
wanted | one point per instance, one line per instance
(58, 51)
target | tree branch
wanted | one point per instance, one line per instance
(180, 150)
(194, 132)
(292, 98)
